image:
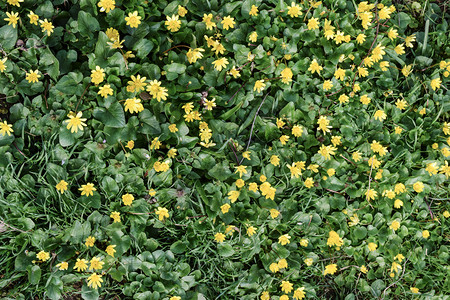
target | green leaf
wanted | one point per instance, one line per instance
(109, 185)
(113, 116)
(50, 63)
(225, 250)
(178, 247)
(8, 37)
(87, 24)
(34, 274)
(143, 48)
(150, 124)
(88, 293)
(403, 20)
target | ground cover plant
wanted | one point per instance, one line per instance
(210, 149)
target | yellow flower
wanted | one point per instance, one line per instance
(96, 264)
(304, 242)
(370, 194)
(309, 182)
(274, 160)
(294, 10)
(274, 267)
(372, 246)
(362, 72)
(284, 239)
(112, 34)
(133, 20)
(110, 250)
(219, 237)
(175, 298)
(399, 49)
(299, 293)
(364, 269)
(90, 240)
(356, 156)
(334, 239)
(259, 86)
(241, 170)
(47, 26)
(253, 11)
(15, 2)
(127, 199)
(12, 18)
(115, 215)
(399, 257)
(432, 168)
(380, 115)
(409, 40)
(284, 139)
(251, 230)
(87, 189)
(418, 187)
(106, 5)
(392, 33)
(282, 264)
(425, 234)
(406, 70)
(33, 18)
(172, 23)
(336, 140)
(133, 105)
(395, 225)
(97, 75)
(308, 261)
(253, 187)
(361, 38)
(95, 280)
(233, 196)
(398, 203)
(43, 256)
(324, 123)
(414, 290)
(446, 214)
(225, 208)
(220, 63)
(228, 22)
(265, 296)
(182, 11)
(286, 286)
(130, 145)
(2, 64)
(327, 84)
(33, 76)
(136, 84)
(330, 269)
(315, 67)
(194, 54)
(327, 151)
(274, 213)
(105, 90)
(62, 186)
(339, 74)
(173, 128)
(172, 153)
(62, 266)
(297, 131)
(207, 19)
(81, 265)
(157, 91)
(162, 213)
(435, 83)
(313, 23)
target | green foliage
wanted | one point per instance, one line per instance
(178, 124)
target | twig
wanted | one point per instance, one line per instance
(85, 90)
(177, 46)
(234, 95)
(384, 292)
(19, 150)
(254, 119)
(12, 227)
(348, 160)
